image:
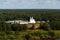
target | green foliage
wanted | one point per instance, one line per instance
(46, 26)
(18, 32)
(24, 14)
(25, 35)
(55, 24)
(18, 27)
(51, 15)
(51, 34)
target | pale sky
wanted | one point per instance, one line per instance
(29, 4)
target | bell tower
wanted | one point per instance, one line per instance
(32, 20)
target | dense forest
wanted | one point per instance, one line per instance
(26, 13)
(39, 14)
(46, 31)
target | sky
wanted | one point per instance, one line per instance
(29, 4)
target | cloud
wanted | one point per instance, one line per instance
(48, 1)
(29, 4)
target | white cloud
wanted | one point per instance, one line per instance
(48, 1)
(29, 3)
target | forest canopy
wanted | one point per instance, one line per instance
(26, 13)
(39, 14)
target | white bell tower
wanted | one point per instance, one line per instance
(32, 20)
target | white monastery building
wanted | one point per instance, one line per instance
(32, 20)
